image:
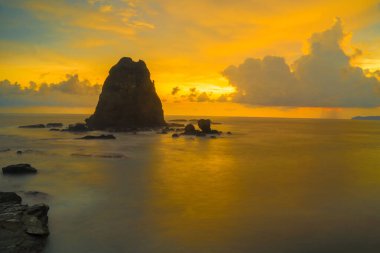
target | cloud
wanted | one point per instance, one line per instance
(194, 95)
(175, 90)
(322, 78)
(105, 8)
(70, 92)
(203, 97)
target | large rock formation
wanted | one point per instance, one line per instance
(128, 99)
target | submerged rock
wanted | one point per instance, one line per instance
(5, 150)
(98, 137)
(54, 125)
(175, 135)
(128, 99)
(33, 126)
(175, 125)
(22, 168)
(78, 127)
(23, 228)
(178, 120)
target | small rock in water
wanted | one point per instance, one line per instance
(190, 129)
(175, 125)
(33, 126)
(175, 135)
(5, 150)
(19, 152)
(80, 154)
(229, 133)
(109, 155)
(163, 131)
(54, 129)
(98, 137)
(78, 127)
(55, 125)
(205, 125)
(19, 169)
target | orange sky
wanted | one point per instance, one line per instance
(186, 44)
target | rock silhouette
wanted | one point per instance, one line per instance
(19, 169)
(205, 125)
(128, 99)
(33, 126)
(190, 129)
(98, 137)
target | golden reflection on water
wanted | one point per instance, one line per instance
(281, 185)
(275, 185)
(194, 190)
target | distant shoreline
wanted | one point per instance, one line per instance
(366, 118)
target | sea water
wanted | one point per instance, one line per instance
(274, 185)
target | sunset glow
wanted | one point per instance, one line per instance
(185, 44)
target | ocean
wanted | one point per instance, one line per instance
(274, 185)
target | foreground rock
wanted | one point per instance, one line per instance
(33, 126)
(22, 168)
(23, 228)
(128, 99)
(98, 137)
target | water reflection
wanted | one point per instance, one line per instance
(275, 185)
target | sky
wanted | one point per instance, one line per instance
(273, 58)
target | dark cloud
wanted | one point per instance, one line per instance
(175, 90)
(203, 97)
(322, 78)
(70, 92)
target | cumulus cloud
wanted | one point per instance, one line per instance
(195, 95)
(322, 78)
(70, 92)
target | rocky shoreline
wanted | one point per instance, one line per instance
(23, 228)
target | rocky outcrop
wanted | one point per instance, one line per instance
(205, 125)
(23, 228)
(22, 168)
(98, 137)
(190, 129)
(78, 127)
(128, 99)
(33, 126)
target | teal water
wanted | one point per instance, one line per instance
(275, 185)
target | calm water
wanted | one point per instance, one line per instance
(275, 185)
